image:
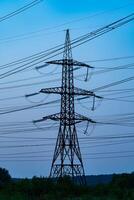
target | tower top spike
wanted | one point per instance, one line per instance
(67, 54)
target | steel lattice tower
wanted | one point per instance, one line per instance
(67, 145)
(67, 159)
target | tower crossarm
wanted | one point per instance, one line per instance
(81, 64)
(76, 91)
(69, 62)
(57, 117)
(79, 91)
(80, 118)
(54, 90)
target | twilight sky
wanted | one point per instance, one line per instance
(25, 149)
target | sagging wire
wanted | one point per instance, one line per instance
(86, 132)
(42, 66)
(76, 78)
(91, 131)
(94, 106)
(87, 77)
(34, 94)
(81, 104)
(41, 128)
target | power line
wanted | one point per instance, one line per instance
(111, 59)
(75, 43)
(85, 158)
(111, 69)
(108, 69)
(20, 10)
(34, 56)
(29, 84)
(32, 34)
(47, 144)
(28, 107)
(48, 156)
(114, 83)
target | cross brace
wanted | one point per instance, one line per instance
(76, 91)
(77, 118)
(69, 62)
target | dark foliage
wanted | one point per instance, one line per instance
(5, 177)
(121, 188)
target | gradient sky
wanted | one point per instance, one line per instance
(43, 27)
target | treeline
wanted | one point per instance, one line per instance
(120, 188)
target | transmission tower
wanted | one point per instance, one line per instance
(67, 159)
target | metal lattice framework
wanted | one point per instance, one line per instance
(67, 159)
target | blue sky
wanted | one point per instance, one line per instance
(42, 27)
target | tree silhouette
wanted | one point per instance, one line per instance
(4, 177)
